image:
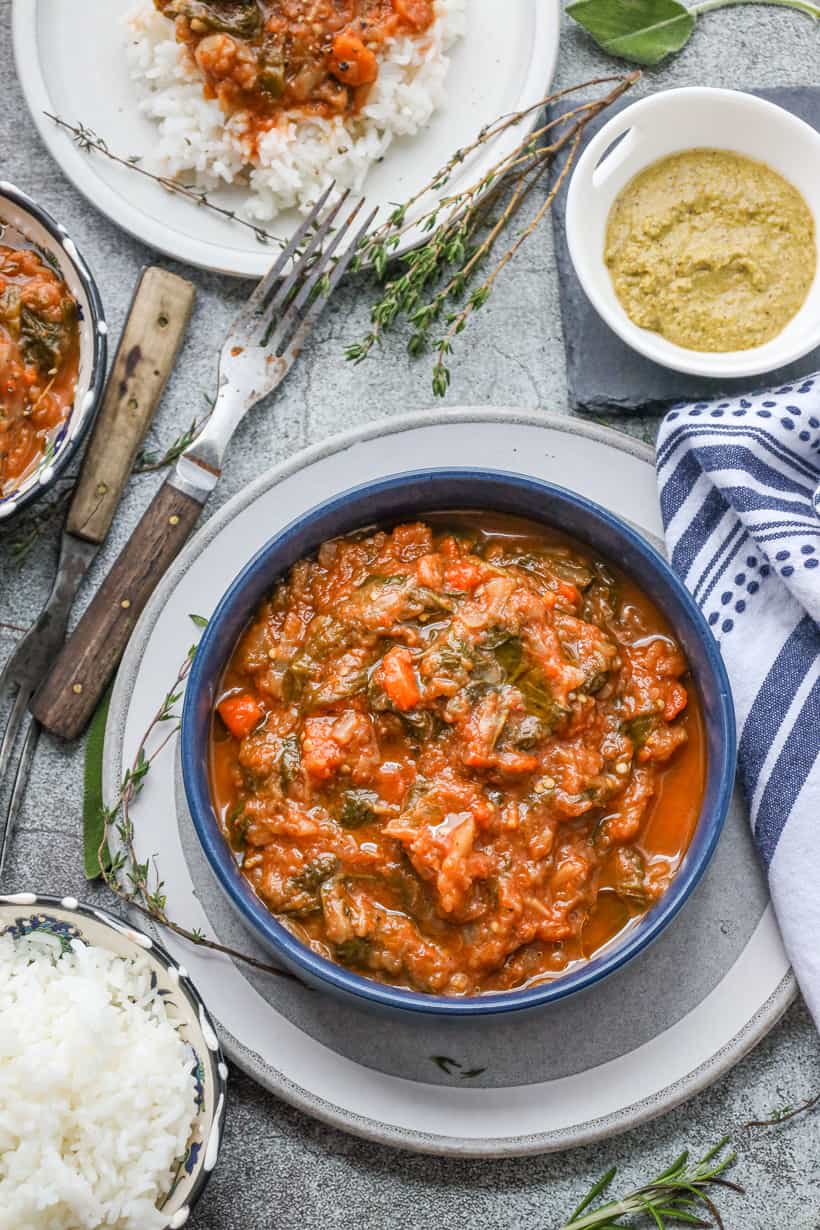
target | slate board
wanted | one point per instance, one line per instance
(603, 373)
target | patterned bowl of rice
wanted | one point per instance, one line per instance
(112, 1080)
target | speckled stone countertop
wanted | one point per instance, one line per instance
(278, 1168)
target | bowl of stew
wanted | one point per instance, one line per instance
(457, 742)
(53, 339)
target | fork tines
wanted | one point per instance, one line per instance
(289, 297)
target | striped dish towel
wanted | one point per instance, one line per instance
(739, 486)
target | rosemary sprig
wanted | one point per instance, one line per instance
(683, 1193)
(435, 281)
(89, 142)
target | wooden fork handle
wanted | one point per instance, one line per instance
(156, 324)
(68, 697)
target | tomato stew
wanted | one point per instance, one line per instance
(39, 359)
(276, 57)
(459, 757)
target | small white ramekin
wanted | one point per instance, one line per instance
(663, 124)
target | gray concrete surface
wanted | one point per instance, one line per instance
(278, 1168)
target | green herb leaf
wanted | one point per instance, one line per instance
(199, 620)
(316, 872)
(353, 952)
(93, 805)
(43, 341)
(639, 728)
(644, 31)
(358, 808)
(290, 760)
(237, 17)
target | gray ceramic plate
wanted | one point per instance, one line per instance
(645, 1039)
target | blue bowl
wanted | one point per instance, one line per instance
(412, 495)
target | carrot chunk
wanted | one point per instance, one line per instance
(430, 571)
(462, 574)
(351, 62)
(676, 698)
(241, 713)
(396, 677)
(418, 13)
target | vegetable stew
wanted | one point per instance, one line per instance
(271, 57)
(39, 358)
(459, 756)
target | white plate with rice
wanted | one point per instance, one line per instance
(481, 59)
(112, 1081)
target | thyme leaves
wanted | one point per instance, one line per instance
(436, 286)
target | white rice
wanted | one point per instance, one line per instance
(96, 1089)
(299, 157)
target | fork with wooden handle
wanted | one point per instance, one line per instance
(257, 353)
(155, 326)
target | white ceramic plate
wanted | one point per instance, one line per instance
(71, 62)
(635, 1045)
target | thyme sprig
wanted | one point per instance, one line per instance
(784, 1113)
(149, 460)
(43, 517)
(91, 143)
(684, 1192)
(434, 284)
(136, 882)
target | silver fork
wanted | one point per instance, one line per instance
(259, 350)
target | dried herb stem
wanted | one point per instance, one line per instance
(434, 281)
(786, 1113)
(124, 874)
(89, 142)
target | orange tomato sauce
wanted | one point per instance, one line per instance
(460, 756)
(39, 360)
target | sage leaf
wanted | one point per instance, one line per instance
(644, 31)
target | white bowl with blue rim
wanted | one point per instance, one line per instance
(66, 919)
(696, 117)
(24, 224)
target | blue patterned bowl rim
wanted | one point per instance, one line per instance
(87, 399)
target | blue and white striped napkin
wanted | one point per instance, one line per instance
(739, 486)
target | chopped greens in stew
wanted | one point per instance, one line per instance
(39, 355)
(270, 57)
(459, 756)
